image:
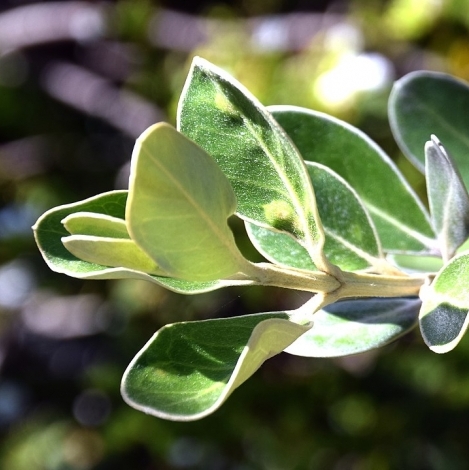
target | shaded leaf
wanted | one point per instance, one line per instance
(187, 370)
(179, 203)
(279, 248)
(356, 326)
(417, 263)
(400, 218)
(448, 198)
(351, 241)
(425, 103)
(265, 169)
(49, 231)
(444, 313)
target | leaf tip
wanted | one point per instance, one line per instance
(441, 349)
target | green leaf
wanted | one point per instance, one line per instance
(402, 222)
(278, 247)
(356, 326)
(114, 252)
(444, 314)
(102, 239)
(417, 263)
(49, 231)
(448, 198)
(264, 167)
(351, 240)
(179, 203)
(425, 103)
(187, 370)
(99, 225)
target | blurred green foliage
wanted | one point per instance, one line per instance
(70, 109)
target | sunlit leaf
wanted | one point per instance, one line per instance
(351, 241)
(179, 203)
(356, 326)
(400, 219)
(425, 103)
(265, 169)
(49, 231)
(104, 240)
(444, 314)
(99, 225)
(448, 198)
(187, 370)
(113, 252)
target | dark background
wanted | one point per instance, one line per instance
(79, 81)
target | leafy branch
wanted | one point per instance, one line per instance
(321, 202)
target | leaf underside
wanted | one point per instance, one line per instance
(356, 326)
(49, 231)
(94, 224)
(178, 206)
(448, 198)
(444, 314)
(113, 252)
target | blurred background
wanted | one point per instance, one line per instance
(79, 81)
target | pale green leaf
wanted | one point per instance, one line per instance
(49, 231)
(444, 314)
(356, 326)
(179, 203)
(264, 167)
(402, 222)
(417, 263)
(448, 198)
(99, 225)
(424, 103)
(351, 240)
(187, 370)
(113, 252)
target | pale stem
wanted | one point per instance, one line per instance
(375, 285)
(268, 274)
(346, 285)
(306, 312)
